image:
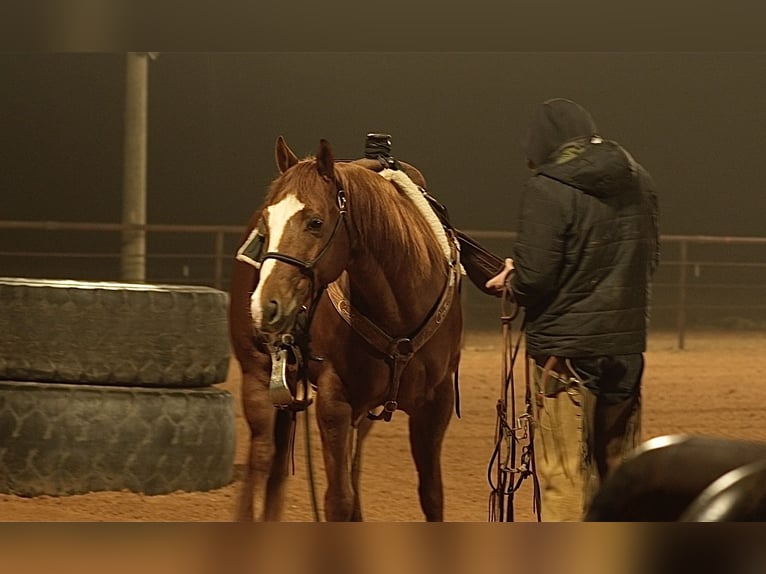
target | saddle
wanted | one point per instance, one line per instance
(479, 263)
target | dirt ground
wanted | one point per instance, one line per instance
(715, 387)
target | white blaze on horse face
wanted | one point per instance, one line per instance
(277, 216)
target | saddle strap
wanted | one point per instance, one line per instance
(398, 350)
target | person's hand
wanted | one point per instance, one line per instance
(497, 283)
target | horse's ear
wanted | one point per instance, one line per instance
(325, 160)
(284, 155)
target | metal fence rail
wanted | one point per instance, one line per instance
(215, 256)
(702, 279)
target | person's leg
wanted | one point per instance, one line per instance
(556, 402)
(620, 418)
(590, 435)
(619, 432)
(614, 427)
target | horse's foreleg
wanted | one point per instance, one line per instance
(427, 428)
(334, 419)
(363, 428)
(260, 419)
(262, 496)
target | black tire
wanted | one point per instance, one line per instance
(60, 439)
(737, 496)
(663, 476)
(103, 333)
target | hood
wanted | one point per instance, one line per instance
(563, 145)
(598, 167)
(553, 123)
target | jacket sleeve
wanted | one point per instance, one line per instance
(538, 253)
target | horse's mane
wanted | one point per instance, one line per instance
(378, 213)
(381, 213)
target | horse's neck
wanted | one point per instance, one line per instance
(396, 301)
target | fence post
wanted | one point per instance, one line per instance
(133, 260)
(682, 295)
(218, 259)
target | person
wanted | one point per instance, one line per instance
(581, 267)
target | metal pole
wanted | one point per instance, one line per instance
(133, 257)
(219, 260)
(682, 295)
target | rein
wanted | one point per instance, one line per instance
(293, 349)
(291, 353)
(511, 430)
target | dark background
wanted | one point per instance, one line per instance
(695, 120)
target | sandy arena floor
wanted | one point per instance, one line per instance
(716, 387)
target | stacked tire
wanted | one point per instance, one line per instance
(111, 386)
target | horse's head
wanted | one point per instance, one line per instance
(307, 245)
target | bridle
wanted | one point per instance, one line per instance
(294, 348)
(307, 267)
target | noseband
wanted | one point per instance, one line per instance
(307, 267)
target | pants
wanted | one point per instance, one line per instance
(587, 419)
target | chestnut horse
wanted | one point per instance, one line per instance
(352, 290)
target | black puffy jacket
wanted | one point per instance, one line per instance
(587, 246)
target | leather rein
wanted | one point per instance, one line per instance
(293, 348)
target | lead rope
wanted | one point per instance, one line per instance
(303, 405)
(503, 474)
(310, 468)
(309, 459)
(504, 453)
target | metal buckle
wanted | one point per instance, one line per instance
(341, 199)
(402, 348)
(281, 395)
(279, 391)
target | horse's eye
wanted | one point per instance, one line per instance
(315, 224)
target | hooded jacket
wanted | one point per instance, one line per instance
(587, 242)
